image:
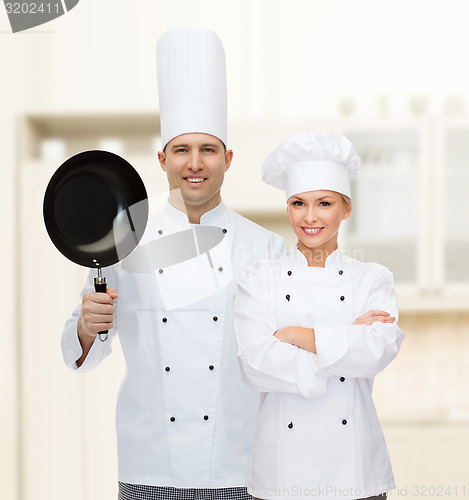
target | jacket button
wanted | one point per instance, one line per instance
(205, 417)
(287, 297)
(220, 269)
(167, 368)
(164, 320)
(342, 298)
(215, 318)
(160, 231)
(160, 271)
(344, 422)
(342, 379)
(290, 425)
(289, 273)
(211, 367)
(225, 231)
(341, 272)
(172, 419)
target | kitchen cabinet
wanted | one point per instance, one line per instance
(451, 204)
(411, 205)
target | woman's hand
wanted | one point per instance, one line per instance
(375, 315)
(306, 339)
(299, 336)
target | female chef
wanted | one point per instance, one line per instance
(313, 329)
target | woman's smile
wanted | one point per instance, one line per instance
(311, 231)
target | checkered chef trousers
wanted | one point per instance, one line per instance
(143, 492)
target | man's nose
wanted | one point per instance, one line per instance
(195, 161)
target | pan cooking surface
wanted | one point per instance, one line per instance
(90, 200)
(83, 208)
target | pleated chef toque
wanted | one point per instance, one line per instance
(312, 161)
(191, 84)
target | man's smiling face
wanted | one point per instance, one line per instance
(196, 164)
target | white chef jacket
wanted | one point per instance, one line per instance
(317, 433)
(184, 418)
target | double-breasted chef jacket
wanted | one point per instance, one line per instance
(184, 417)
(317, 433)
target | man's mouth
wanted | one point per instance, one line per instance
(194, 180)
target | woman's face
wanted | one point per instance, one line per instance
(315, 217)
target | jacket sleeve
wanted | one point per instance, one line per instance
(362, 351)
(266, 363)
(71, 348)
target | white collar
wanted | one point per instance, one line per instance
(213, 217)
(333, 260)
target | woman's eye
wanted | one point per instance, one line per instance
(324, 204)
(298, 203)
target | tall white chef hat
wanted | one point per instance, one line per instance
(191, 84)
(311, 161)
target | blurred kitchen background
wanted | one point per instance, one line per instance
(392, 76)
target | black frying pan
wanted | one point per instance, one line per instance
(95, 211)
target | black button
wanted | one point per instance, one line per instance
(220, 269)
(172, 419)
(160, 271)
(289, 273)
(211, 367)
(290, 425)
(167, 368)
(342, 298)
(342, 379)
(225, 231)
(164, 320)
(215, 318)
(341, 272)
(287, 297)
(160, 231)
(205, 417)
(344, 422)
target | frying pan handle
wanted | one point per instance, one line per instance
(100, 285)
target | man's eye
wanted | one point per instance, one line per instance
(209, 150)
(180, 150)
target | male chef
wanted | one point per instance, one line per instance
(185, 420)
